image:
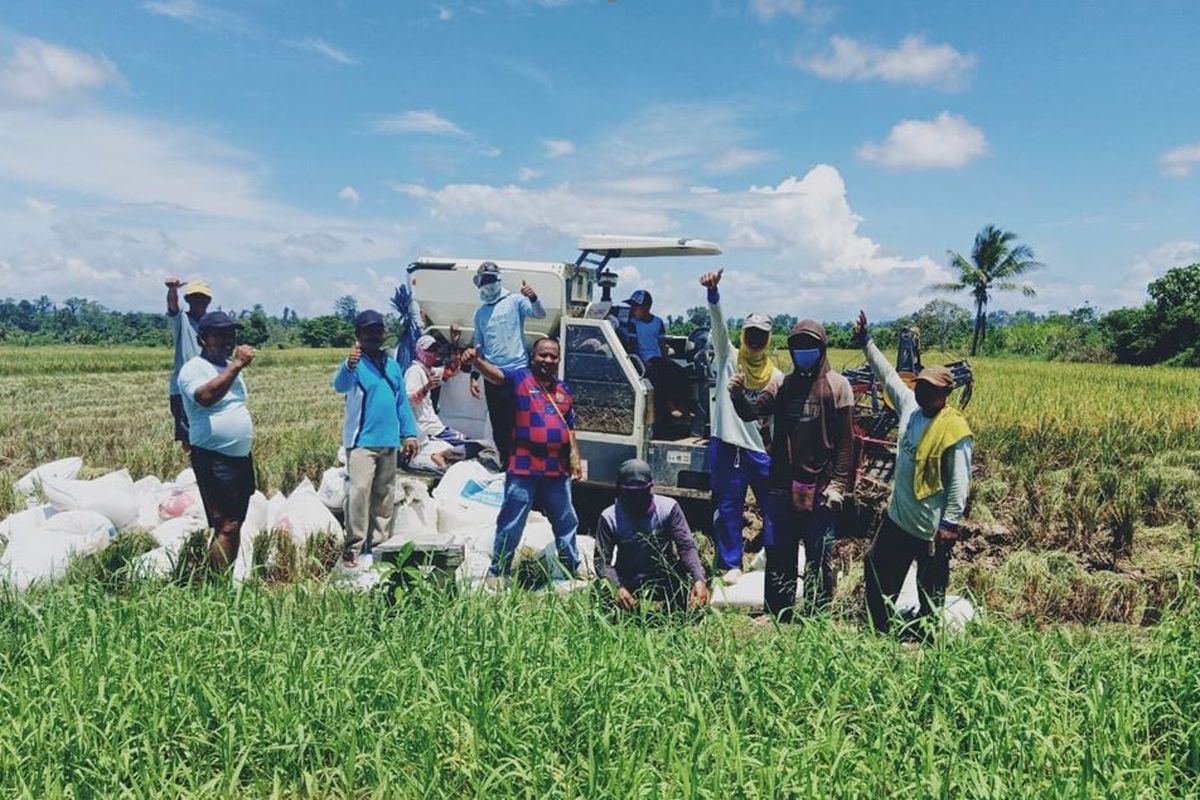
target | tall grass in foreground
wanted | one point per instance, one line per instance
(243, 692)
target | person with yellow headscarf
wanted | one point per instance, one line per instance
(929, 495)
(738, 451)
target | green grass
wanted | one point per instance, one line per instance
(228, 692)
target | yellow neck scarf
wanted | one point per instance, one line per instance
(757, 367)
(948, 428)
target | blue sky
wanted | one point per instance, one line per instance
(290, 152)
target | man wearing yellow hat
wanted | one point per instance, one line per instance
(185, 333)
(929, 496)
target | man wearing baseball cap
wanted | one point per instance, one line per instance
(500, 340)
(379, 421)
(185, 330)
(738, 449)
(220, 432)
(645, 337)
(644, 547)
(929, 495)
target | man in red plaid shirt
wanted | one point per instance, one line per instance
(544, 458)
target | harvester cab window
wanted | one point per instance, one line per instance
(604, 395)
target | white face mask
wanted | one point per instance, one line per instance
(490, 292)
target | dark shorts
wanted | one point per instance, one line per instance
(226, 484)
(181, 420)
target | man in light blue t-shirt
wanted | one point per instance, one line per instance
(185, 330)
(220, 432)
(500, 340)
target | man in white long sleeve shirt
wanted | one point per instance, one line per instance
(737, 452)
(929, 494)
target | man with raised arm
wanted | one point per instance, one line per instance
(929, 494)
(500, 340)
(544, 457)
(812, 456)
(379, 422)
(185, 329)
(738, 449)
(220, 433)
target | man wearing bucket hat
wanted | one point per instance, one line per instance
(220, 432)
(185, 330)
(379, 421)
(644, 547)
(738, 449)
(933, 475)
(500, 341)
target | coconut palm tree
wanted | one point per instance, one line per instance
(994, 262)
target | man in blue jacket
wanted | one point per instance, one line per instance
(378, 418)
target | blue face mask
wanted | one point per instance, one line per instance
(805, 360)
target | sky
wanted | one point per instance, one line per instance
(290, 152)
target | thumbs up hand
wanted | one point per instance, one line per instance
(528, 291)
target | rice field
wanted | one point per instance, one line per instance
(221, 692)
(119, 688)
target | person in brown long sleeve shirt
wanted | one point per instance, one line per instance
(655, 555)
(811, 462)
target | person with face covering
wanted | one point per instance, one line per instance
(220, 433)
(185, 330)
(738, 449)
(379, 422)
(929, 495)
(644, 547)
(500, 340)
(543, 459)
(812, 456)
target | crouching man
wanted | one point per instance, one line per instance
(378, 420)
(656, 557)
(933, 474)
(220, 433)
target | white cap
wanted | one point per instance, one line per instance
(426, 342)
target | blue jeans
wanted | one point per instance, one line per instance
(817, 529)
(553, 498)
(732, 469)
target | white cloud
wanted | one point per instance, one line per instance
(738, 158)
(528, 174)
(947, 142)
(430, 123)
(40, 207)
(913, 61)
(38, 71)
(197, 14)
(350, 195)
(445, 14)
(557, 148)
(325, 49)
(427, 122)
(769, 9)
(1180, 162)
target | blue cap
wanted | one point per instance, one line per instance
(366, 319)
(640, 298)
(215, 320)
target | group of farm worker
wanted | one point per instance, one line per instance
(787, 437)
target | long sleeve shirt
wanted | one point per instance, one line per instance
(632, 551)
(726, 424)
(920, 517)
(378, 414)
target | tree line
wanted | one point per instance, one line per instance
(1163, 330)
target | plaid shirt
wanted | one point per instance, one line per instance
(541, 443)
